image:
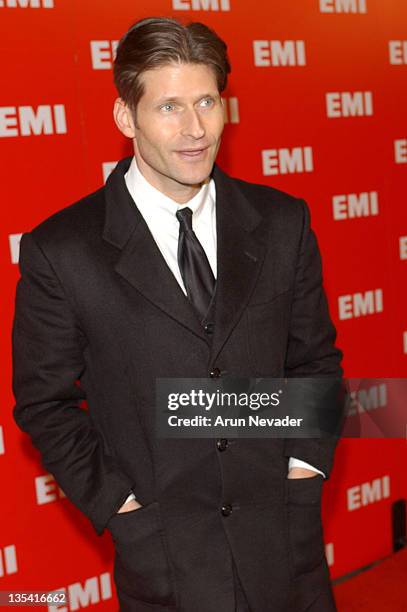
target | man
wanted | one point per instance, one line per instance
(174, 269)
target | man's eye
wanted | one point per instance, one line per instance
(167, 107)
(206, 102)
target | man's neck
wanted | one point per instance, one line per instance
(181, 194)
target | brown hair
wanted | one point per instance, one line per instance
(159, 41)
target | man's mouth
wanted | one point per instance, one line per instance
(192, 153)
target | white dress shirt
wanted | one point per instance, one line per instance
(158, 211)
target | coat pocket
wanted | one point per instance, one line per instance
(141, 567)
(303, 501)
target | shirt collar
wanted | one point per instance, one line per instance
(152, 202)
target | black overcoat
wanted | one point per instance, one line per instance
(99, 316)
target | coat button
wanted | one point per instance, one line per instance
(226, 510)
(222, 444)
(215, 373)
(209, 328)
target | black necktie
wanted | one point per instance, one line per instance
(194, 266)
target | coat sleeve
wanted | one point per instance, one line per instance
(311, 350)
(48, 361)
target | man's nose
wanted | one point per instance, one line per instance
(193, 125)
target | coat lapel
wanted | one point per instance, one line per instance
(240, 254)
(140, 261)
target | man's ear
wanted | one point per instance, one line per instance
(123, 118)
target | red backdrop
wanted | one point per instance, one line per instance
(316, 107)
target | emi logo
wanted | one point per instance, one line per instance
(29, 121)
(95, 590)
(354, 205)
(8, 560)
(287, 161)
(47, 490)
(342, 6)
(403, 247)
(400, 151)
(398, 52)
(329, 553)
(201, 5)
(348, 104)
(231, 110)
(364, 400)
(107, 168)
(360, 304)
(279, 53)
(14, 243)
(26, 3)
(368, 493)
(102, 53)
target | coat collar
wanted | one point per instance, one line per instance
(240, 252)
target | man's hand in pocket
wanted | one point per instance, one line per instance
(298, 472)
(130, 505)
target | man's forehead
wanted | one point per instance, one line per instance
(178, 81)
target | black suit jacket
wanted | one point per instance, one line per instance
(99, 316)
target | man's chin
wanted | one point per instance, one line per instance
(196, 177)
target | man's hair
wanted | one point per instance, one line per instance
(159, 41)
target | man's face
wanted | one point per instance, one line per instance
(179, 122)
